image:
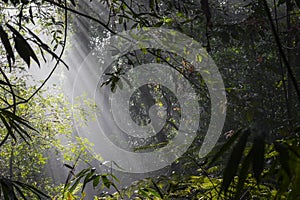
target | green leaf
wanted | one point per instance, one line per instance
(234, 160)
(106, 181)
(158, 193)
(143, 192)
(150, 191)
(34, 190)
(88, 178)
(158, 24)
(75, 185)
(96, 181)
(21, 193)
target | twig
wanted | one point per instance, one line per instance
(81, 14)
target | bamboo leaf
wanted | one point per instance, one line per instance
(23, 48)
(21, 193)
(34, 190)
(87, 179)
(106, 181)
(96, 181)
(244, 173)
(6, 44)
(226, 146)
(73, 2)
(31, 15)
(284, 157)
(234, 160)
(258, 160)
(69, 166)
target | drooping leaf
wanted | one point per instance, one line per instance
(8, 127)
(7, 192)
(281, 2)
(6, 44)
(73, 2)
(69, 166)
(46, 47)
(3, 82)
(106, 181)
(206, 10)
(298, 3)
(259, 152)
(18, 119)
(23, 48)
(96, 181)
(283, 157)
(234, 160)
(15, 2)
(244, 173)
(20, 192)
(31, 15)
(31, 188)
(88, 178)
(78, 177)
(160, 195)
(226, 146)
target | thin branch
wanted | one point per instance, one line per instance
(54, 68)
(11, 89)
(280, 49)
(81, 14)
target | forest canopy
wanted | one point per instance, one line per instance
(48, 123)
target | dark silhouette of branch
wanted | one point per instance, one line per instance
(81, 14)
(280, 49)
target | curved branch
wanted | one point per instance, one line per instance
(81, 14)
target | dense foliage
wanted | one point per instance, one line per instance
(255, 44)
